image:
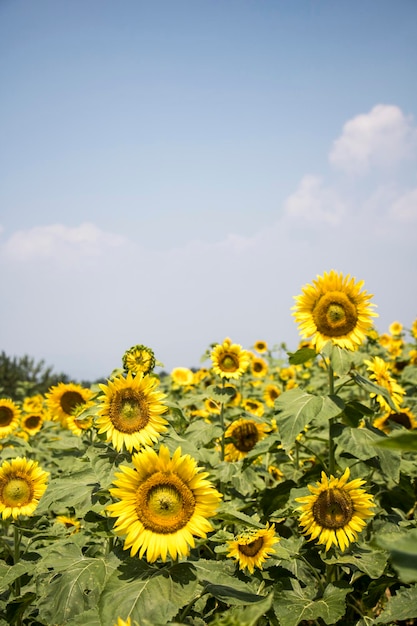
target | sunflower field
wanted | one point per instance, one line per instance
(267, 488)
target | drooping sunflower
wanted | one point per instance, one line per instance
(380, 373)
(252, 548)
(334, 308)
(182, 376)
(32, 423)
(131, 413)
(22, 484)
(63, 398)
(229, 359)
(139, 359)
(245, 434)
(404, 417)
(259, 367)
(260, 346)
(336, 511)
(9, 417)
(163, 504)
(71, 523)
(271, 393)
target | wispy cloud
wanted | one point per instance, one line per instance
(382, 138)
(313, 201)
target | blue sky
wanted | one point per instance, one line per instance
(173, 172)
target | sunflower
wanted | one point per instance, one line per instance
(139, 359)
(259, 367)
(245, 434)
(414, 328)
(275, 472)
(81, 420)
(396, 328)
(229, 359)
(163, 503)
(123, 622)
(380, 373)
(253, 406)
(271, 393)
(336, 510)
(33, 404)
(131, 413)
(260, 346)
(334, 308)
(63, 398)
(31, 423)
(22, 484)
(251, 549)
(9, 417)
(70, 523)
(182, 376)
(404, 417)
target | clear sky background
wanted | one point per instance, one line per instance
(172, 172)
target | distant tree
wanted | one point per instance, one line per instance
(22, 376)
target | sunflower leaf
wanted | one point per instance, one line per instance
(403, 553)
(402, 606)
(301, 356)
(401, 441)
(371, 387)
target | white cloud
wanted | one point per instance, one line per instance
(404, 209)
(313, 201)
(382, 137)
(60, 242)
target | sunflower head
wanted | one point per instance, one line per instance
(252, 548)
(259, 367)
(334, 308)
(131, 411)
(22, 484)
(380, 372)
(9, 417)
(229, 359)
(271, 393)
(63, 398)
(139, 359)
(260, 346)
(336, 511)
(71, 523)
(31, 423)
(163, 504)
(245, 434)
(403, 417)
(182, 376)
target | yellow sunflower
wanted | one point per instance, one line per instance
(163, 504)
(63, 398)
(336, 510)
(33, 404)
(22, 484)
(396, 328)
(380, 373)
(81, 420)
(259, 367)
(70, 523)
(132, 409)
(260, 346)
(414, 328)
(251, 549)
(31, 423)
(229, 359)
(182, 376)
(245, 434)
(404, 417)
(271, 393)
(139, 359)
(334, 308)
(122, 622)
(9, 417)
(253, 406)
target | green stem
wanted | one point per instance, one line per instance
(16, 557)
(332, 445)
(222, 426)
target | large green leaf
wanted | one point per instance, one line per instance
(403, 552)
(373, 388)
(399, 441)
(360, 443)
(159, 597)
(342, 360)
(301, 356)
(291, 607)
(10, 573)
(368, 561)
(402, 606)
(297, 408)
(70, 491)
(250, 615)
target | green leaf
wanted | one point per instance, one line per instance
(371, 562)
(403, 553)
(301, 356)
(10, 573)
(402, 606)
(159, 597)
(372, 387)
(360, 443)
(226, 513)
(70, 491)
(341, 360)
(87, 618)
(297, 408)
(291, 607)
(401, 441)
(249, 615)
(218, 578)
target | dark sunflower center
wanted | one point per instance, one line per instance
(401, 418)
(257, 367)
(333, 508)
(129, 411)
(33, 421)
(69, 400)
(273, 394)
(164, 503)
(6, 415)
(16, 492)
(335, 314)
(229, 362)
(252, 548)
(246, 437)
